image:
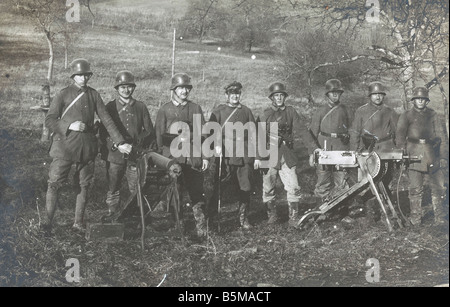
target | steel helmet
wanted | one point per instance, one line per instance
(333, 85)
(124, 77)
(376, 88)
(420, 92)
(80, 67)
(181, 79)
(234, 87)
(277, 87)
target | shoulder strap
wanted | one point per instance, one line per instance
(328, 113)
(228, 118)
(71, 104)
(370, 117)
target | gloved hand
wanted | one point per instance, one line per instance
(125, 148)
(205, 165)
(311, 160)
(257, 164)
(77, 126)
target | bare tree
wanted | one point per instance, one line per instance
(200, 17)
(47, 15)
(413, 28)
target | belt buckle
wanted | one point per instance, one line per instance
(422, 141)
(334, 135)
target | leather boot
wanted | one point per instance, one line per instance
(80, 207)
(200, 221)
(272, 212)
(293, 214)
(415, 216)
(112, 201)
(243, 216)
(50, 206)
(439, 214)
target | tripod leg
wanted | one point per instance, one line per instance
(389, 202)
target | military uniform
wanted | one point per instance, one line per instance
(289, 127)
(169, 116)
(420, 133)
(237, 162)
(330, 124)
(373, 128)
(134, 123)
(74, 147)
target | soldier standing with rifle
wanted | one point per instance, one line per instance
(238, 168)
(71, 121)
(133, 120)
(330, 125)
(420, 133)
(169, 117)
(289, 126)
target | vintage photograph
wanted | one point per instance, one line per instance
(242, 144)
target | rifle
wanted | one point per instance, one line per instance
(316, 141)
(219, 196)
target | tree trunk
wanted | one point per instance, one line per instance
(441, 88)
(66, 54)
(50, 58)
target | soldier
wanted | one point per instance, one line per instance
(330, 124)
(289, 125)
(133, 121)
(238, 167)
(71, 120)
(169, 117)
(374, 126)
(420, 133)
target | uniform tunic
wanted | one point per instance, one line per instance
(237, 162)
(289, 126)
(74, 145)
(171, 113)
(378, 121)
(134, 123)
(418, 133)
(414, 126)
(328, 120)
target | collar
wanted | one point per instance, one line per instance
(80, 88)
(234, 105)
(177, 104)
(332, 105)
(275, 108)
(131, 102)
(424, 110)
(377, 106)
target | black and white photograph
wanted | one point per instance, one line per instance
(224, 149)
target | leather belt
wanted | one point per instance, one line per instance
(333, 135)
(420, 141)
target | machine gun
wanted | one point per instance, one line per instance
(372, 168)
(149, 166)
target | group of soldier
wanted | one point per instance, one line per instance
(126, 125)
